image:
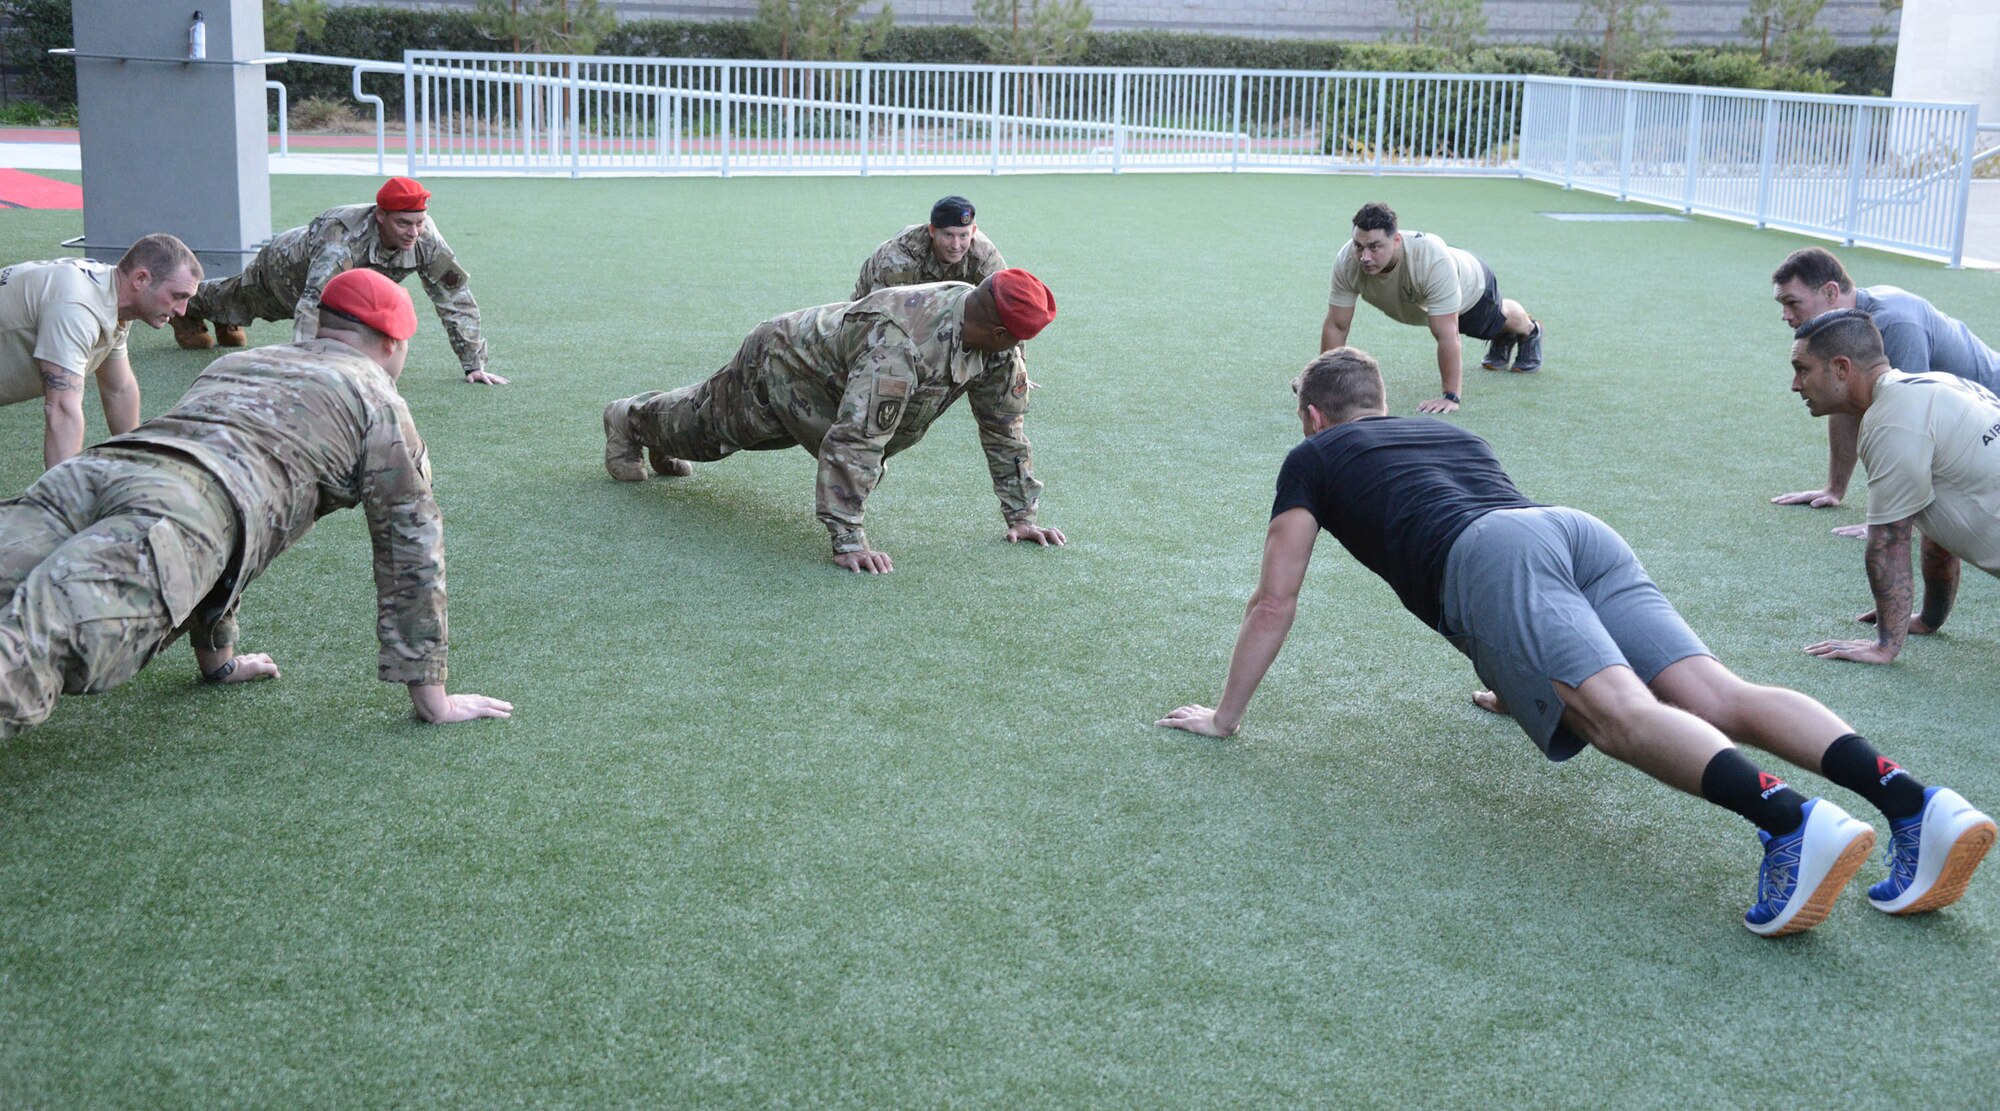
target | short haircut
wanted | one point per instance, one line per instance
(334, 318)
(1341, 383)
(1814, 266)
(1376, 216)
(160, 255)
(1842, 332)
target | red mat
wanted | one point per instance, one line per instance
(19, 189)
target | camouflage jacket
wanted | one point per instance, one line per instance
(346, 237)
(295, 432)
(860, 381)
(908, 260)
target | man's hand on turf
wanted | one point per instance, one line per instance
(1860, 651)
(433, 705)
(1438, 405)
(1818, 499)
(1489, 702)
(223, 665)
(1046, 537)
(1852, 532)
(867, 561)
(1917, 626)
(486, 378)
(1197, 719)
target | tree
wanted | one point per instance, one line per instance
(1785, 33)
(818, 30)
(287, 21)
(545, 26)
(1456, 25)
(1033, 32)
(1629, 28)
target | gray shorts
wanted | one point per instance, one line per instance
(1533, 596)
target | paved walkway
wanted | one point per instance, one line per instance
(51, 149)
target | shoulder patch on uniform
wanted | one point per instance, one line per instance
(452, 279)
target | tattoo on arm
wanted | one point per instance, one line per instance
(60, 381)
(1940, 583)
(1889, 579)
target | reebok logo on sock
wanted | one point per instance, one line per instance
(1768, 785)
(1888, 769)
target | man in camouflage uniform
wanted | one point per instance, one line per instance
(116, 552)
(950, 248)
(854, 383)
(394, 236)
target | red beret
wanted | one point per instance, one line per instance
(1024, 304)
(374, 300)
(401, 194)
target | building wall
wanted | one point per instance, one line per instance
(1691, 21)
(1953, 53)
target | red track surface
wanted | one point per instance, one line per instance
(19, 189)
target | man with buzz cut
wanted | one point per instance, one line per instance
(393, 237)
(1931, 443)
(1417, 278)
(950, 248)
(1916, 339)
(854, 383)
(116, 552)
(1578, 644)
(67, 319)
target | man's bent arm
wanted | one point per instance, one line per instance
(852, 452)
(1267, 620)
(999, 403)
(1450, 356)
(1940, 583)
(1843, 435)
(450, 290)
(1890, 580)
(1333, 333)
(118, 391)
(62, 413)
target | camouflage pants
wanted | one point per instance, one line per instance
(242, 299)
(732, 410)
(100, 562)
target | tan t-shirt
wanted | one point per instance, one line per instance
(63, 311)
(1432, 278)
(1931, 443)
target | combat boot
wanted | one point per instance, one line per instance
(229, 335)
(191, 333)
(621, 455)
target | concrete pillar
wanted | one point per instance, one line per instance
(1950, 50)
(171, 144)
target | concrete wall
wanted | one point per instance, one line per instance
(168, 144)
(1692, 21)
(1951, 51)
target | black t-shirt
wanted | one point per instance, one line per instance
(1396, 492)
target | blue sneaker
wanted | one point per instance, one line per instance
(1804, 871)
(1932, 855)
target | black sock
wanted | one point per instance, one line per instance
(1732, 782)
(1854, 764)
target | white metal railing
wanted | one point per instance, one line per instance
(1859, 169)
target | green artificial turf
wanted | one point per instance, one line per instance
(762, 833)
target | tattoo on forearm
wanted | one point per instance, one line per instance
(1889, 579)
(59, 381)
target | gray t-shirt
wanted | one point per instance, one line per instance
(1920, 339)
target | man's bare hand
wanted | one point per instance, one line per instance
(1043, 536)
(1860, 651)
(1196, 719)
(1917, 626)
(1489, 702)
(1818, 499)
(486, 378)
(432, 704)
(1852, 532)
(869, 562)
(1438, 405)
(244, 669)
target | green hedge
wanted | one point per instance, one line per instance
(382, 34)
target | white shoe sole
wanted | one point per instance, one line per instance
(1836, 846)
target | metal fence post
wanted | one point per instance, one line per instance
(1856, 158)
(1381, 109)
(575, 124)
(728, 85)
(1693, 152)
(865, 131)
(1236, 136)
(1575, 123)
(1118, 122)
(284, 120)
(994, 126)
(1625, 145)
(1765, 160)
(1967, 147)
